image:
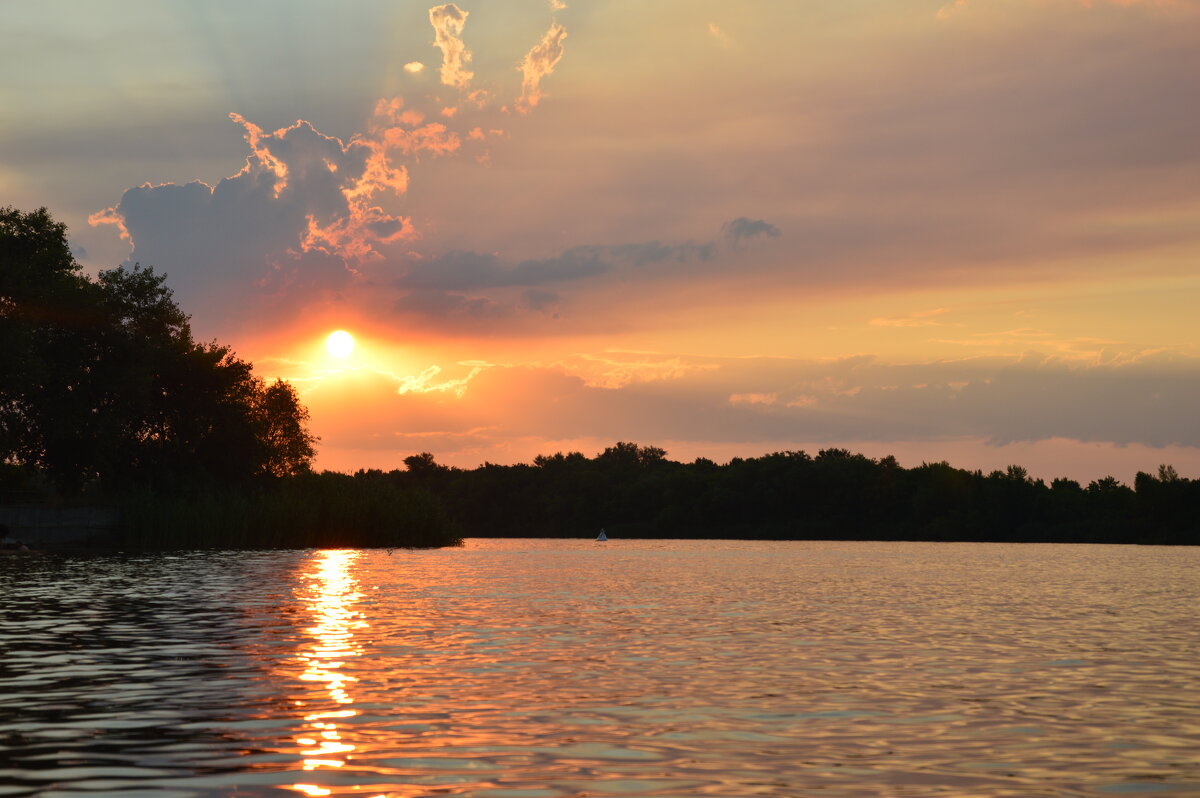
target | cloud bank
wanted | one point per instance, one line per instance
(1143, 401)
(310, 216)
(463, 284)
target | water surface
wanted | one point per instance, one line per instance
(535, 668)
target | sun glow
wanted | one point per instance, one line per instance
(340, 344)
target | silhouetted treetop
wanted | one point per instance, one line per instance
(101, 381)
(636, 491)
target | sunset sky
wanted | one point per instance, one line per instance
(964, 230)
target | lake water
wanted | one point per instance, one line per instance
(545, 668)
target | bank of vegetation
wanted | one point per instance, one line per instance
(636, 491)
(106, 398)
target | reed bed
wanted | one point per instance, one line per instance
(312, 511)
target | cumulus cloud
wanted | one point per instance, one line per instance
(309, 215)
(448, 22)
(537, 64)
(302, 213)
(300, 195)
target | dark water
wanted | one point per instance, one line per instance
(522, 669)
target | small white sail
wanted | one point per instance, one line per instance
(601, 537)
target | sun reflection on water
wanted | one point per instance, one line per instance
(330, 594)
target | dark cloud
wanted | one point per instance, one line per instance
(741, 229)
(465, 271)
(296, 219)
(438, 279)
(539, 300)
(448, 304)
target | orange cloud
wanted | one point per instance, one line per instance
(537, 64)
(1001, 400)
(296, 221)
(356, 232)
(755, 399)
(254, 137)
(615, 370)
(922, 319)
(113, 217)
(448, 22)
(306, 211)
(427, 382)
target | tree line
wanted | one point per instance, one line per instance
(106, 396)
(636, 491)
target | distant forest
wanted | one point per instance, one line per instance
(636, 491)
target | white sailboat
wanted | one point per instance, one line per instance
(601, 537)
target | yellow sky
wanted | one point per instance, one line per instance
(962, 230)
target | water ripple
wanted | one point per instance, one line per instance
(522, 669)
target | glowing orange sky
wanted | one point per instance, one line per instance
(948, 230)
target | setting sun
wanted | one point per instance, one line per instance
(340, 344)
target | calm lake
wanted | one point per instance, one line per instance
(545, 668)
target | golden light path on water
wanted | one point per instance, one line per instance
(330, 593)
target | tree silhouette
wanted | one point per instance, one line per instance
(102, 384)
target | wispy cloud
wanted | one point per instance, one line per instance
(924, 318)
(537, 64)
(428, 381)
(753, 398)
(303, 201)
(448, 22)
